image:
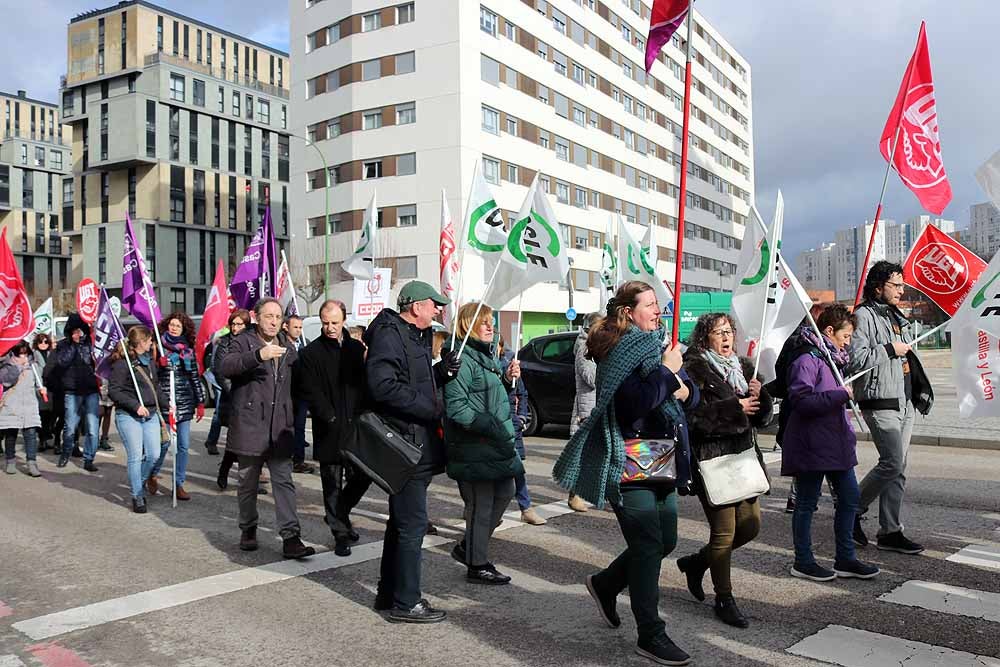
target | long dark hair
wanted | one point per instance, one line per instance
(187, 325)
(606, 333)
(698, 340)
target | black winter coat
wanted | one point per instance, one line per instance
(402, 385)
(188, 390)
(225, 384)
(74, 362)
(330, 376)
(121, 389)
(263, 417)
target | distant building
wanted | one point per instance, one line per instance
(850, 248)
(899, 238)
(817, 267)
(983, 236)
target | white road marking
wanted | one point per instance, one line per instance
(10, 661)
(978, 554)
(947, 599)
(99, 613)
(839, 645)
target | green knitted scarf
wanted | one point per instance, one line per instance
(592, 463)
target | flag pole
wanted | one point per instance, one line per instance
(916, 340)
(769, 297)
(173, 438)
(682, 197)
(128, 362)
(475, 315)
(465, 243)
(291, 285)
(517, 333)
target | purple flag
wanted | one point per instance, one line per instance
(138, 295)
(257, 274)
(107, 335)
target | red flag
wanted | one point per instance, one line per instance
(87, 300)
(918, 156)
(215, 316)
(942, 268)
(665, 18)
(16, 317)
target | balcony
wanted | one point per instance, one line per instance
(163, 58)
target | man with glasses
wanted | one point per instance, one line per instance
(403, 389)
(888, 394)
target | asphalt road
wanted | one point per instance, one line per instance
(86, 582)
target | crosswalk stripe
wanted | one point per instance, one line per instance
(849, 647)
(10, 661)
(946, 599)
(979, 555)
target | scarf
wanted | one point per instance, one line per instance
(729, 368)
(840, 357)
(593, 460)
(144, 359)
(179, 352)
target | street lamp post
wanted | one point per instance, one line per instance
(326, 219)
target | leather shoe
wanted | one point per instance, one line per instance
(89, 466)
(729, 613)
(213, 450)
(486, 574)
(694, 567)
(382, 604)
(139, 505)
(422, 612)
(342, 546)
(63, 460)
(293, 547)
(182, 494)
(458, 552)
(352, 535)
(152, 486)
(248, 539)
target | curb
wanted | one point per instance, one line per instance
(943, 441)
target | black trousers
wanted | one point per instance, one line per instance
(343, 488)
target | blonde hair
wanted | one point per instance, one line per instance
(463, 321)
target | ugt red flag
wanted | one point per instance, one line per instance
(942, 268)
(918, 155)
(16, 317)
(215, 316)
(664, 20)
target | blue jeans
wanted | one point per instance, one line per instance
(77, 407)
(399, 577)
(142, 446)
(183, 442)
(301, 410)
(845, 485)
(520, 482)
(30, 443)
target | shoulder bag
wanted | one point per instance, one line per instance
(164, 431)
(732, 478)
(381, 452)
(649, 460)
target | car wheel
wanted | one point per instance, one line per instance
(532, 423)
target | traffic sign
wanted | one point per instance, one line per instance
(571, 314)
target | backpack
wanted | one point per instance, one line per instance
(778, 388)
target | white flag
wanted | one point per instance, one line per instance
(448, 256)
(975, 346)
(610, 273)
(534, 252)
(988, 176)
(44, 321)
(635, 264)
(285, 291)
(483, 224)
(361, 263)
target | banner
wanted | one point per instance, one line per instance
(87, 300)
(285, 290)
(484, 232)
(975, 361)
(942, 268)
(215, 316)
(371, 296)
(44, 321)
(610, 274)
(665, 18)
(917, 158)
(988, 177)
(256, 276)
(634, 264)
(138, 294)
(107, 335)
(448, 259)
(361, 263)
(16, 318)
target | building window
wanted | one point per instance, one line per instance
(193, 137)
(406, 113)
(231, 148)
(371, 22)
(263, 111)
(284, 117)
(405, 13)
(27, 188)
(177, 194)
(232, 217)
(491, 120)
(406, 267)
(511, 126)
(562, 192)
(5, 186)
(333, 128)
(177, 87)
(487, 21)
(406, 164)
(199, 197)
(491, 170)
(247, 150)
(372, 120)
(175, 134)
(105, 196)
(373, 169)
(178, 302)
(24, 154)
(249, 107)
(562, 149)
(159, 33)
(405, 63)
(151, 251)
(512, 173)
(265, 155)
(222, 100)
(215, 143)
(199, 93)
(407, 216)
(283, 158)
(40, 232)
(236, 103)
(580, 198)
(132, 183)
(510, 31)
(39, 156)
(371, 69)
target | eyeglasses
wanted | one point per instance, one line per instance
(723, 333)
(897, 286)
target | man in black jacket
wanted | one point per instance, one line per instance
(75, 365)
(402, 390)
(329, 376)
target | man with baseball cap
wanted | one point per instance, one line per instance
(403, 389)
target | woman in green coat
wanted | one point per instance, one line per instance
(480, 439)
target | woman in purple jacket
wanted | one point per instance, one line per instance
(819, 441)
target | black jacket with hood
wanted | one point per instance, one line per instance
(74, 362)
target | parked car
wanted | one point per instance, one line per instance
(547, 369)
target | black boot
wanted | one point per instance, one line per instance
(222, 480)
(139, 505)
(694, 567)
(248, 539)
(63, 460)
(342, 546)
(729, 613)
(212, 448)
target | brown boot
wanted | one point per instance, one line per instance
(152, 486)
(576, 503)
(182, 494)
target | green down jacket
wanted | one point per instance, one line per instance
(477, 426)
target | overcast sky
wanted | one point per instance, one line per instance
(825, 75)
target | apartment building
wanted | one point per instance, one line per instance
(34, 158)
(182, 124)
(405, 97)
(850, 246)
(899, 238)
(983, 236)
(816, 268)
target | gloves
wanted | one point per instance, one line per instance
(452, 363)
(199, 412)
(162, 361)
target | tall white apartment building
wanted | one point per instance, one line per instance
(406, 97)
(899, 238)
(850, 247)
(817, 267)
(984, 230)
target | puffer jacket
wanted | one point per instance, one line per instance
(883, 388)
(477, 426)
(586, 383)
(74, 362)
(20, 402)
(188, 391)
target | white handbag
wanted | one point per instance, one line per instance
(731, 478)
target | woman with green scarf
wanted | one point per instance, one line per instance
(638, 412)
